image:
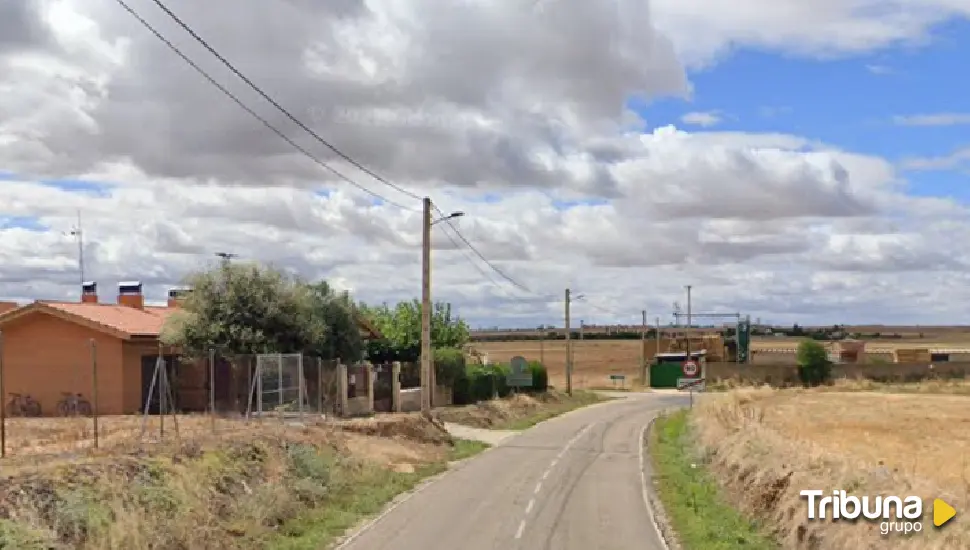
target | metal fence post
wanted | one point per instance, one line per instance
(212, 388)
(3, 407)
(94, 390)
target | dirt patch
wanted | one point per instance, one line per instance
(765, 446)
(412, 427)
(517, 411)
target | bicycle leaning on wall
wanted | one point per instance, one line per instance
(73, 404)
(21, 405)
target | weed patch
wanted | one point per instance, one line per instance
(701, 517)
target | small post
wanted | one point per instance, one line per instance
(319, 385)
(279, 382)
(94, 390)
(3, 411)
(162, 391)
(212, 388)
(396, 386)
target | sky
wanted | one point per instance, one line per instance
(794, 161)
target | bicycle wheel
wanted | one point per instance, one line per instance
(14, 410)
(33, 408)
(63, 408)
(83, 408)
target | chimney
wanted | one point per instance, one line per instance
(129, 294)
(89, 292)
(176, 295)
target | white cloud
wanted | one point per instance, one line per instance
(957, 159)
(880, 70)
(457, 102)
(700, 118)
(938, 119)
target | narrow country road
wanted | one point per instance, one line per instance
(572, 483)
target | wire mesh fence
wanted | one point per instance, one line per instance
(63, 401)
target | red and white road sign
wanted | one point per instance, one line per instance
(690, 369)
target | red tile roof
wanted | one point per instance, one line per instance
(129, 320)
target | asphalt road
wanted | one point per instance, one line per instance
(572, 483)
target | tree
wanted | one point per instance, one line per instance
(240, 309)
(814, 367)
(337, 312)
(401, 325)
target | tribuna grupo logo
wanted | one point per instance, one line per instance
(895, 514)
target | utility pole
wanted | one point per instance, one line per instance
(542, 346)
(582, 328)
(687, 331)
(643, 349)
(658, 335)
(569, 351)
(427, 373)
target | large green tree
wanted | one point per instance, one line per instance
(249, 308)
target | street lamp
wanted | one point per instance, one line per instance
(453, 215)
(427, 363)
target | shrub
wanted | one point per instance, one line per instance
(449, 366)
(540, 377)
(814, 367)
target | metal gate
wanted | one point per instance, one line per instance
(383, 388)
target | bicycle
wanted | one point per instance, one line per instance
(23, 406)
(73, 404)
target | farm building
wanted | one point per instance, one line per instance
(47, 353)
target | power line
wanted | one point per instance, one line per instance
(161, 5)
(252, 113)
(279, 107)
(471, 247)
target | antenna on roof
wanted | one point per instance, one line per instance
(226, 257)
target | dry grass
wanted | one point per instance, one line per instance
(518, 411)
(593, 360)
(247, 487)
(766, 445)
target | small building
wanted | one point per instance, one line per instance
(49, 348)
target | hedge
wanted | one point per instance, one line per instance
(484, 382)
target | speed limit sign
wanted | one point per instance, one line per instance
(690, 369)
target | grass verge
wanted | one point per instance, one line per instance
(699, 515)
(518, 412)
(362, 493)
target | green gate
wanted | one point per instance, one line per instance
(667, 368)
(665, 375)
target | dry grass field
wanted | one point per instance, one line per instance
(593, 360)
(768, 445)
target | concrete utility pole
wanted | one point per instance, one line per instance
(658, 335)
(569, 351)
(687, 331)
(426, 363)
(643, 349)
(542, 346)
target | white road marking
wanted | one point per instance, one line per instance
(643, 485)
(552, 465)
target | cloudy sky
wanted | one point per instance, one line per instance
(796, 161)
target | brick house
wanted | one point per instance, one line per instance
(47, 352)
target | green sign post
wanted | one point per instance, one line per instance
(519, 374)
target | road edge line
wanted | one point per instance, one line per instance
(645, 489)
(408, 495)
